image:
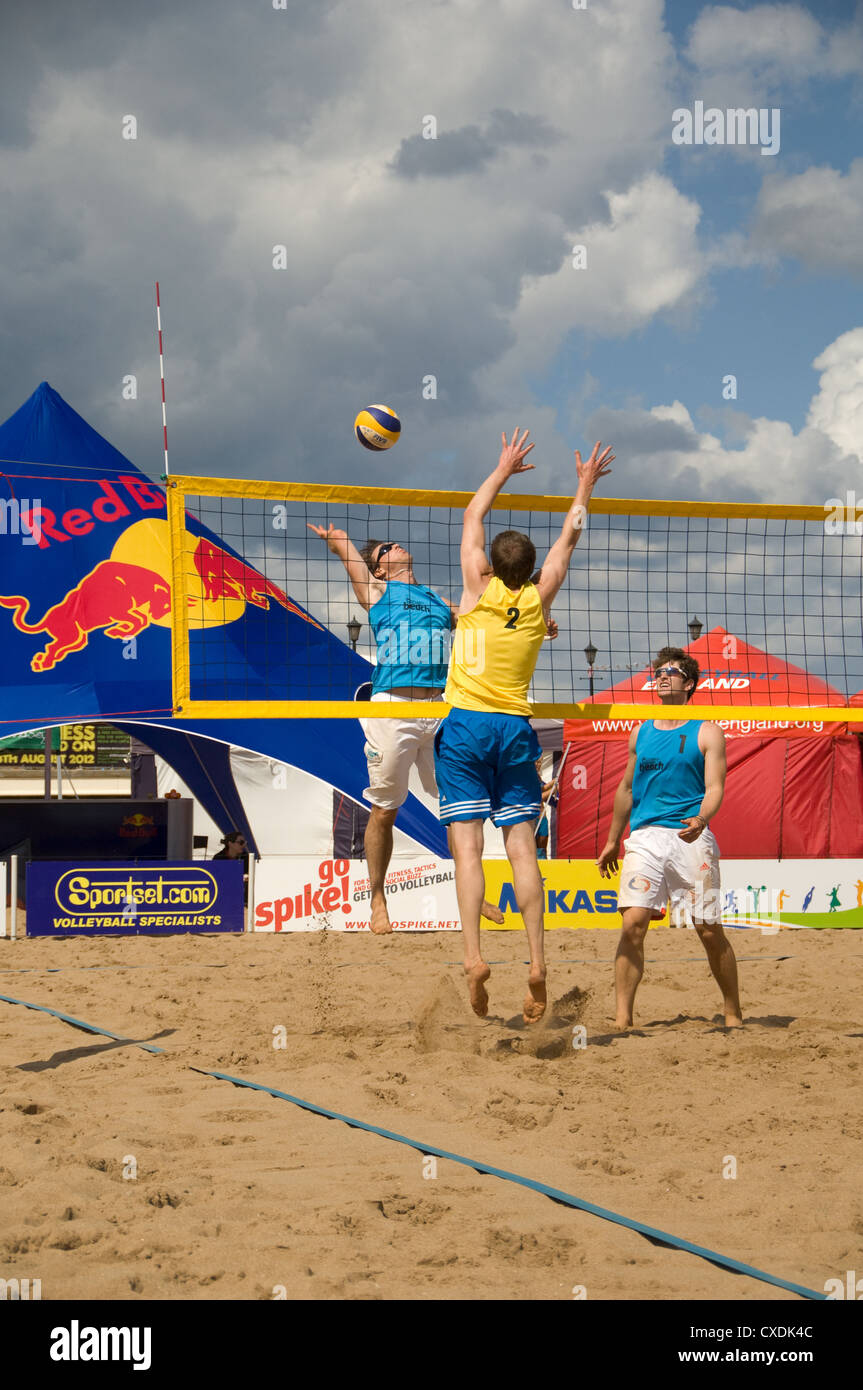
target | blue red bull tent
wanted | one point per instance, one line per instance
(85, 623)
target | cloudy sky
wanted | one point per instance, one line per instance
(408, 257)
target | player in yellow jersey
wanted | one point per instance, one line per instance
(486, 750)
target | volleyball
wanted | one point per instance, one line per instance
(377, 427)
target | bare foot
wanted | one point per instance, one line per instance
(535, 999)
(380, 921)
(733, 1021)
(489, 910)
(476, 978)
(621, 1024)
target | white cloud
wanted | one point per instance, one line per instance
(662, 453)
(787, 37)
(816, 216)
(641, 261)
(837, 409)
(286, 137)
(283, 127)
(772, 42)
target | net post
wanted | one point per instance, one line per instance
(13, 865)
(180, 675)
(250, 916)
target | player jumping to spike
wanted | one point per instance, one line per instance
(675, 776)
(411, 624)
(486, 750)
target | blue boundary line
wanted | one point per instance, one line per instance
(555, 1193)
(79, 1023)
(58, 969)
(651, 1233)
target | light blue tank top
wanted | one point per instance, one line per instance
(668, 784)
(412, 631)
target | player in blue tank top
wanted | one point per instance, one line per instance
(411, 624)
(675, 776)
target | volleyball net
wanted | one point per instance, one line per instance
(783, 582)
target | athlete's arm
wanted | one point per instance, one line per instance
(475, 568)
(711, 741)
(557, 563)
(607, 863)
(367, 589)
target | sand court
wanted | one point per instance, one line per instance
(127, 1174)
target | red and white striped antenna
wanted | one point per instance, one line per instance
(162, 375)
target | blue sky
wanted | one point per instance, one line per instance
(788, 313)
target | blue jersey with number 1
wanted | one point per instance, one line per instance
(668, 785)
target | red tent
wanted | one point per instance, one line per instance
(794, 791)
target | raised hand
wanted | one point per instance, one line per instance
(513, 454)
(596, 467)
(329, 535)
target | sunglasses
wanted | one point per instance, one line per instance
(390, 545)
(669, 671)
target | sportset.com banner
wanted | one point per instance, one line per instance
(155, 899)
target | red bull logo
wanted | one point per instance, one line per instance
(131, 590)
(224, 576)
(120, 599)
(137, 827)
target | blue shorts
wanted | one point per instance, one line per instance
(485, 765)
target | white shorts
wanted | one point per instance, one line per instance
(658, 868)
(393, 747)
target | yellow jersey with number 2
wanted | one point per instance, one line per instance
(495, 649)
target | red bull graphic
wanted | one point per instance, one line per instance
(125, 594)
(120, 599)
(137, 827)
(224, 576)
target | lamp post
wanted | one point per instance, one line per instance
(695, 629)
(590, 653)
(354, 629)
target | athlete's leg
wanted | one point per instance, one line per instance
(389, 755)
(698, 869)
(426, 769)
(724, 966)
(487, 909)
(520, 846)
(629, 962)
(466, 842)
(379, 849)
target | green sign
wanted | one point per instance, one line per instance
(79, 745)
